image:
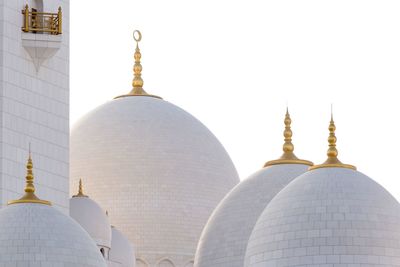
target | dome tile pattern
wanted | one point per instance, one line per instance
(224, 239)
(156, 169)
(92, 218)
(122, 250)
(39, 235)
(328, 217)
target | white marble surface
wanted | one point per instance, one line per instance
(122, 251)
(41, 236)
(224, 239)
(92, 218)
(157, 170)
(34, 107)
(328, 217)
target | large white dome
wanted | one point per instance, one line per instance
(224, 239)
(325, 217)
(92, 218)
(39, 235)
(122, 250)
(156, 169)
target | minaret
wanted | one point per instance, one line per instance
(34, 99)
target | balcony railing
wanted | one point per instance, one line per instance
(37, 22)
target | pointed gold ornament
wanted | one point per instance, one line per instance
(80, 190)
(332, 152)
(288, 157)
(137, 83)
(29, 196)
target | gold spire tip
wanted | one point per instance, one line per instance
(332, 153)
(80, 190)
(29, 196)
(137, 83)
(288, 157)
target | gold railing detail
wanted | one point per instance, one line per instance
(42, 22)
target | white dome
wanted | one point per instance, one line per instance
(92, 218)
(328, 217)
(122, 250)
(39, 235)
(156, 169)
(224, 239)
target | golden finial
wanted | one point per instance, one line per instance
(137, 82)
(287, 133)
(80, 190)
(332, 152)
(288, 157)
(29, 196)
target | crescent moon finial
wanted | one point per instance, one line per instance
(137, 36)
(137, 82)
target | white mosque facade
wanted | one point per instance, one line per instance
(141, 182)
(34, 80)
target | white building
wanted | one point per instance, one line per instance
(34, 107)
(160, 173)
(34, 97)
(157, 170)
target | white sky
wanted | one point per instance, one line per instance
(235, 64)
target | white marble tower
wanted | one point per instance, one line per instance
(34, 97)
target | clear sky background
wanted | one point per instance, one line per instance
(236, 64)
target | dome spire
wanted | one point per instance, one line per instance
(29, 196)
(137, 83)
(287, 133)
(332, 152)
(288, 157)
(80, 190)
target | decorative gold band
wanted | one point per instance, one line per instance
(288, 161)
(333, 165)
(19, 201)
(120, 96)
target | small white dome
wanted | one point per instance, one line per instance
(122, 251)
(92, 218)
(325, 217)
(39, 235)
(224, 239)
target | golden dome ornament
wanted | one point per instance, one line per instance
(137, 83)
(80, 190)
(332, 153)
(29, 196)
(288, 157)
